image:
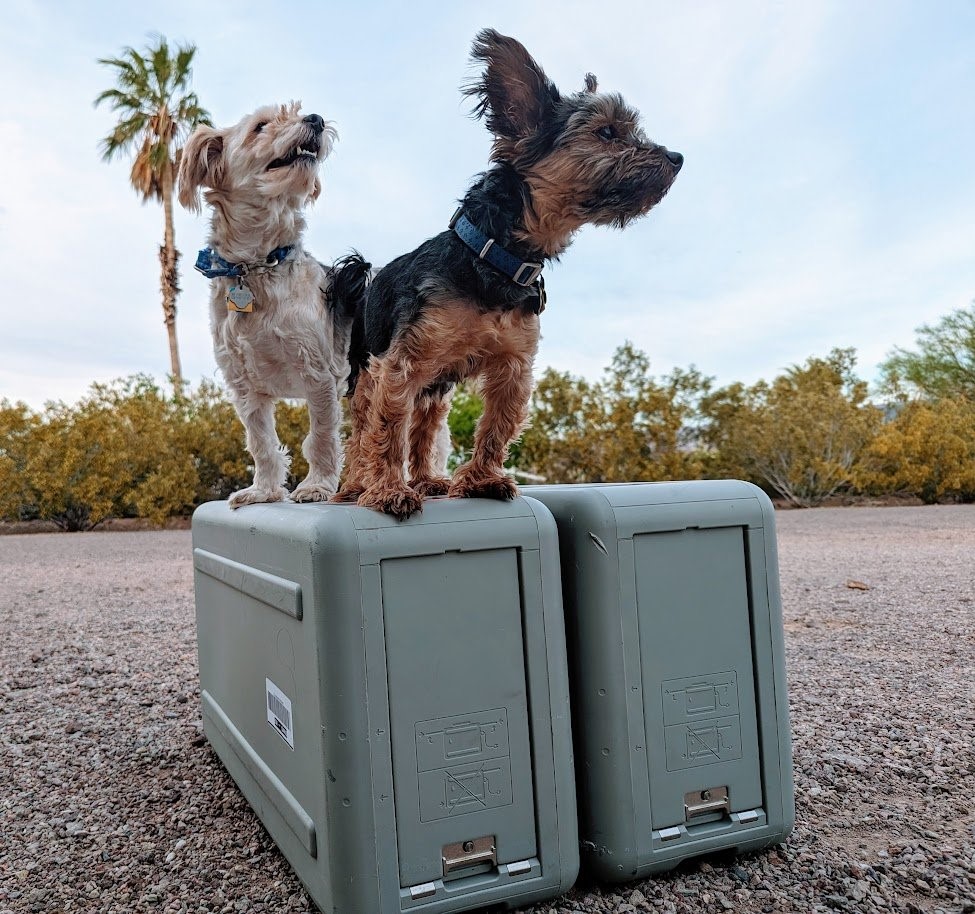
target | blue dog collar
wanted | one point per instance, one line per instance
(521, 273)
(212, 265)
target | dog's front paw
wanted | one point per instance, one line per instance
(256, 495)
(430, 486)
(473, 482)
(312, 491)
(399, 502)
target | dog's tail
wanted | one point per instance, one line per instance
(347, 290)
(347, 286)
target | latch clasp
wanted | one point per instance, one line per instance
(463, 854)
(705, 802)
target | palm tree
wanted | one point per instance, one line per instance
(156, 115)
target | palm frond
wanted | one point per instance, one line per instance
(182, 67)
(131, 67)
(123, 136)
(142, 177)
(161, 68)
(156, 111)
(120, 100)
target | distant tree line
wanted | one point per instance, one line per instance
(129, 449)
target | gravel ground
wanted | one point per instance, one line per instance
(111, 801)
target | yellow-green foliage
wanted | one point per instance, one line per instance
(928, 450)
(112, 454)
(628, 426)
(207, 427)
(291, 422)
(129, 449)
(801, 435)
(17, 427)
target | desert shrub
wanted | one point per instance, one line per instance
(927, 450)
(800, 436)
(18, 424)
(291, 421)
(627, 426)
(112, 454)
(208, 429)
(214, 435)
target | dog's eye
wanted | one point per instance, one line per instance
(259, 127)
(606, 133)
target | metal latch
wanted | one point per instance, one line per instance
(473, 852)
(707, 801)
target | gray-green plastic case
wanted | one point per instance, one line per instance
(676, 655)
(392, 697)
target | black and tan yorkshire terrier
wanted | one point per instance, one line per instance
(466, 303)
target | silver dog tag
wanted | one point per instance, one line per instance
(240, 299)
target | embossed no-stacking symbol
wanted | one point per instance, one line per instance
(466, 789)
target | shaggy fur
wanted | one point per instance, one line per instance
(258, 175)
(440, 314)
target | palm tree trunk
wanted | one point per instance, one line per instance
(169, 278)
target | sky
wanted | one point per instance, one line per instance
(827, 196)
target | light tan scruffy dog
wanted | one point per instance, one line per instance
(281, 321)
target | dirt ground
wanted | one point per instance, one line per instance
(111, 800)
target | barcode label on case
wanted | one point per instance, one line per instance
(279, 713)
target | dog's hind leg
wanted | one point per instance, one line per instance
(354, 483)
(398, 384)
(430, 442)
(322, 447)
(506, 388)
(271, 460)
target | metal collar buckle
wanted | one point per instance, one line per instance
(534, 271)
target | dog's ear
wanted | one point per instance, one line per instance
(513, 91)
(199, 165)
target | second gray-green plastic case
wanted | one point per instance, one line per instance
(677, 669)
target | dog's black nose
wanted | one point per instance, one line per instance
(675, 159)
(315, 121)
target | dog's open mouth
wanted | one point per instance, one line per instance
(306, 151)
